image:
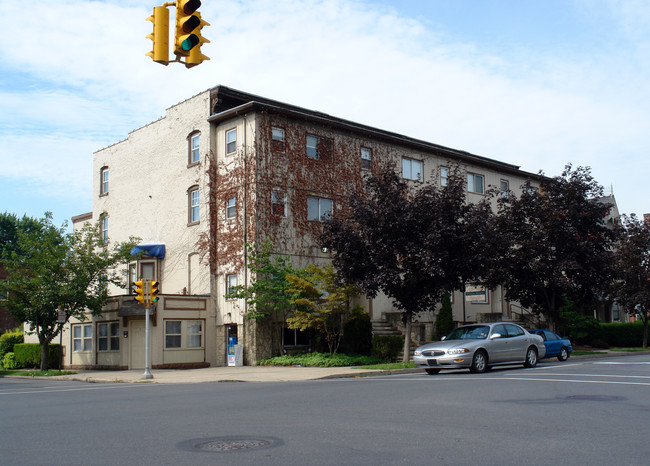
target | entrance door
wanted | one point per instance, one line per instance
(137, 344)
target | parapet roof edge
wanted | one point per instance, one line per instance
(255, 102)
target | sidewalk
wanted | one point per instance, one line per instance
(259, 373)
(227, 374)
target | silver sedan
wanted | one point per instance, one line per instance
(478, 347)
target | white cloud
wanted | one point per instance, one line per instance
(93, 83)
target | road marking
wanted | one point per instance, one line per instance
(36, 391)
(601, 375)
(622, 363)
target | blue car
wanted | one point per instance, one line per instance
(556, 346)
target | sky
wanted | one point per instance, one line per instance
(538, 84)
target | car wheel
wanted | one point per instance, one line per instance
(432, 371)
(564, 354)
(479, 362)
(531, 357)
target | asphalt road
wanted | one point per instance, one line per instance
(592, 412)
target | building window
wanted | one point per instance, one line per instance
(279, 203)
(444, 176)
(103, 187)
(194, 205)
(411, 169)
(173, 334)
(104, 227)
(183, 334)
(108, 336)
(231, 141)
(475, 183)
(231, 207)
(365, 158)
(505, 188)
(194, 334)
(231, 284)
(277, 139)
(194, 148)
(318, 148)
(294, 337)
(319, 209)
(82, 337)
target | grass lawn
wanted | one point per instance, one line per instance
(35, 373)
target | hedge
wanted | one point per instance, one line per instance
(29, 355)
(8, 340)
(387, 347)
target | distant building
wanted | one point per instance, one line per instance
(225, 168)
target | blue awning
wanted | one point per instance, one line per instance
(153, 250)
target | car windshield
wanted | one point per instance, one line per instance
(474, 332)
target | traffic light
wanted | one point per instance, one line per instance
(160, 35)
(196, 57)
(139, 291)
(154, 292)
(187, 34)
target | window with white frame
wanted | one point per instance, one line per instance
(319, 148)
(444, 176)
(312, 147)
(411, 169)
(194, 334)
(231, 284)
(365, 158)
(277, 138)
(279, 203)
(475, 183)
(319, 209)
(505, 188)
(231, 207)
(82, 338)
(194, 148)
(108, 336)
(103, 187)
(194, 200)
(231, 141)
(173, 334)
(104, 227)
(183, 334)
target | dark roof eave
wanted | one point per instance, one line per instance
(359, 128)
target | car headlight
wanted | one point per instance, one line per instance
(457, 351)
(417, 353)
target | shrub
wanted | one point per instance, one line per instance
(602, 344)
(29, 355)
(8, 340)
(445, 319)
(9, 361)
(357, 333)
(387, 347)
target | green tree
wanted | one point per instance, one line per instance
(321, 303)
(445, 318)
(49, 270)
(632, 288)
(266, 293)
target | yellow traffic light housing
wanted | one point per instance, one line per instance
(160, 35)
(187, 36)
(154, 291)
(196, 57)
(139, 289)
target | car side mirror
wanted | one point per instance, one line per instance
(495, 335)
(443, 338)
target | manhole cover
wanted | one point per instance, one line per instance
(595, 397)
(229, 444)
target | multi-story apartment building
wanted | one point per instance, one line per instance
(226, 168)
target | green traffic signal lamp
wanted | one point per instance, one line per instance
(186, 23)
(154, 292)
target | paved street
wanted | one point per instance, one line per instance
(584, 411)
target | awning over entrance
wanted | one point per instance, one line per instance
(153, 250)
